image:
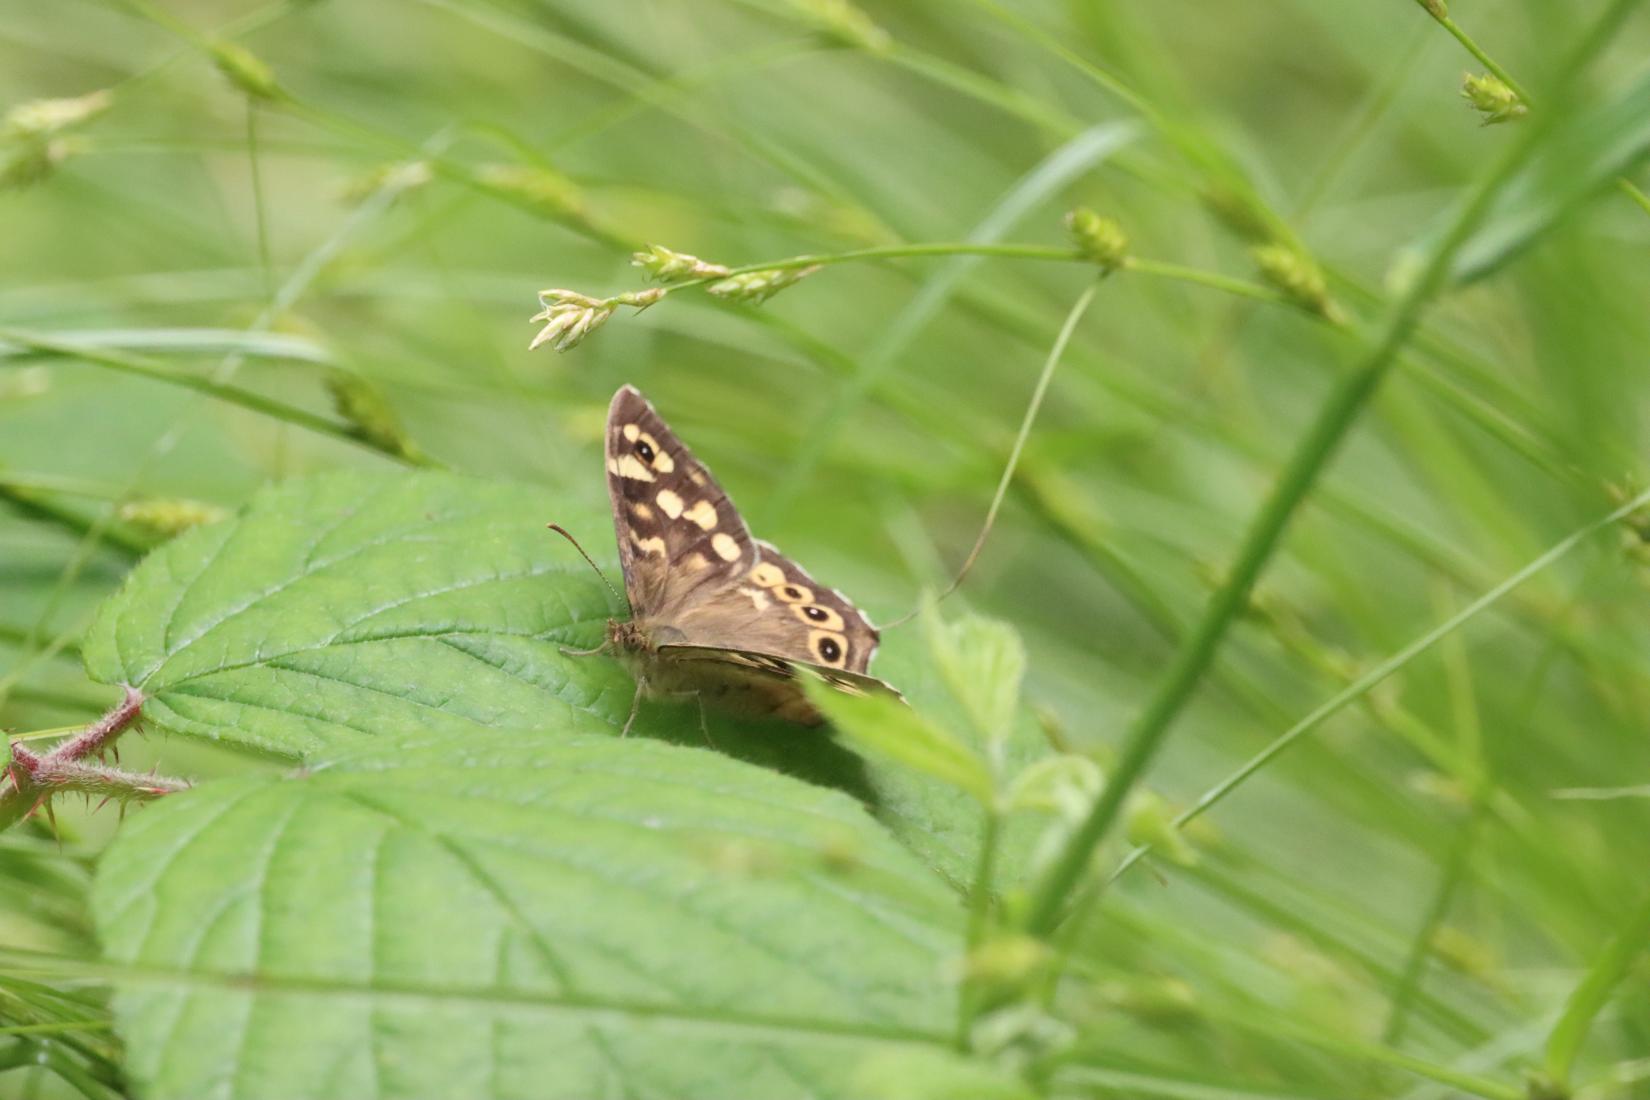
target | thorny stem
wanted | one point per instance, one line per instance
(97, 736)
(36, 777)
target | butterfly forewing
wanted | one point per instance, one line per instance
(679, 535)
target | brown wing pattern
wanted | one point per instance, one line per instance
(777, 608)
(679, 535)
(692, 572)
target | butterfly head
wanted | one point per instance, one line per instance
(632, 636)
(628, 636)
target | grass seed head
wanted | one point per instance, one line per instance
(164, 517)
(1100, 239)
(1297, 276)
(41, 118)
(669, 266)
(246, 70)
(757, 287)
(845, 24)
(1492, 98)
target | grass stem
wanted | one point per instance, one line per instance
(1335, 419)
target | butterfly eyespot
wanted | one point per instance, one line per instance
(828, 648)
(794, 593)
(815, 613)
(645, 451)
(767, 575)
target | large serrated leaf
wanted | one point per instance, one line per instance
(335, 611)
(335, 608)
(496, 916)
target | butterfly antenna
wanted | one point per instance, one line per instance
(563, 532)
(1037, 394)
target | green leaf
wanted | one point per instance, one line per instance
(1582, 156)
(983, 662)
(333, 609)
(495, 915)
(1588, 998)
(935, 1075)
(888, 728)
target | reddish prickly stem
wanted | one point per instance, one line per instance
(36, 777)
(101, 734)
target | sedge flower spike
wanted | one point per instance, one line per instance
(569, 316)
(40, 118)
(246, 71)
(845, 24)
(1297, 277)
(1492, 98)
(757, 287)
(669, 266)
(1100, 240)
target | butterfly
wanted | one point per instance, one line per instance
(715, 614)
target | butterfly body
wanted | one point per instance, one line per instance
(716, 614)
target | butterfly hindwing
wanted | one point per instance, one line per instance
(777, 608)
(736, 679)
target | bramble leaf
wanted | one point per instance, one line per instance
(336, 608)
(496, 915)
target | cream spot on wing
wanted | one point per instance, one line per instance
(612, 465)
(640, 510)
(663, 462)
(630, 466)
(631, 431)
(758, 598)
(650, 546)
(831, 648)
(794, 593)
(695, 563)
(669, 503)
(725, 546)
(703, 513)
(817, 615)
(697, 477)
(767, 574)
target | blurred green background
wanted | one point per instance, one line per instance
(1432, 869)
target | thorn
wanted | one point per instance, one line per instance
(51, 816)
(114, 750)
(100, 805)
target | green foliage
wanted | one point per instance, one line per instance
(1373, 829)
(348, 607)
(889, 728)
(983, 663)
(505, 914)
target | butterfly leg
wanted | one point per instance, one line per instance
(635, 706)
(699, 698)
(704, 726)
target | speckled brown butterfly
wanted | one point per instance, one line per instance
(716, 614)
